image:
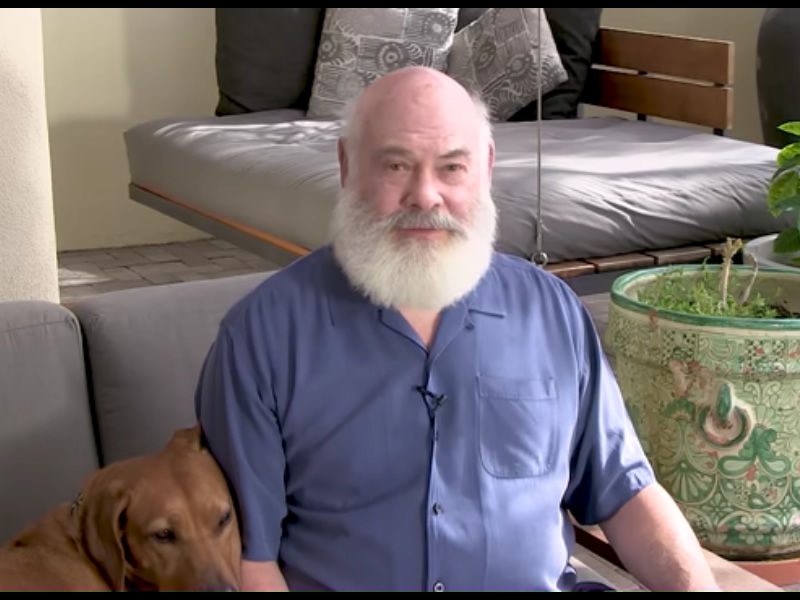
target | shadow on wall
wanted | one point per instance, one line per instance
(109, 69)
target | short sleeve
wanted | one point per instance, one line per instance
(236, 411)
(608, 464)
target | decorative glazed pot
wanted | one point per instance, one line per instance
(716, 403)
(761, 249)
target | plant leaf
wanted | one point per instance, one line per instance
(789, 155)
(791, 164)
(785, 204)
(792, 127)
(787, 242)
(785, 184)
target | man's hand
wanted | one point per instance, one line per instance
(262, 577)
(657, 545)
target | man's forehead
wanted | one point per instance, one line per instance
(445, 151)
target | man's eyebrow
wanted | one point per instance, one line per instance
(394, 150)
(457, 153)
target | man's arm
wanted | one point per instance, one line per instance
(236, 410)
(657, 545)
(262, 577)
(613, 483)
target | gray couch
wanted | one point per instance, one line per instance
(106, 378)
(112, 376)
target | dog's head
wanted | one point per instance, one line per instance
(163, 523)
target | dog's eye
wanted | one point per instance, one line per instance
(225, 519)
(165, 535)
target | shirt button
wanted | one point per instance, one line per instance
(438, 509)
(438, 586)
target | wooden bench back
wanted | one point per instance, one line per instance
(679, 78)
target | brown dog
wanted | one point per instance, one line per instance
(158, 523)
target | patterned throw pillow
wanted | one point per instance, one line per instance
(496, 56)
(359, 45)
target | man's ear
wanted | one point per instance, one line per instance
(344, 167)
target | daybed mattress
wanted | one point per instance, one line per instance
(609, 185)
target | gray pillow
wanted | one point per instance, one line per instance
(359, 45)
(497, 56)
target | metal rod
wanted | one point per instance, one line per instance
(539, 257)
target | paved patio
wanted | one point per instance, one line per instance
(84, 273)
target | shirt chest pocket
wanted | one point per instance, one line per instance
(518, 426)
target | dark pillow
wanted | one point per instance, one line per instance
(265, 57)
(575, 31)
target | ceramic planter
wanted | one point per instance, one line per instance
(761, 248)
(716, 402)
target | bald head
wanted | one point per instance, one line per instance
(414, 96)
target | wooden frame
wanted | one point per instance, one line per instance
(683, 79)
(679, 78)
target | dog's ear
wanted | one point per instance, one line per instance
(191, 437)
(102, 524)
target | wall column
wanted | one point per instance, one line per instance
(28, 263)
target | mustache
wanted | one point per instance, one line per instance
(418, 219)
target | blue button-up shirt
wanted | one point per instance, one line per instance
(363, 461)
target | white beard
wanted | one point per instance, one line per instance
(417, 274)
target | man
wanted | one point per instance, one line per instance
(406, 409)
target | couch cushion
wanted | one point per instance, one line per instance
(145, 349)
(46, 440)
(265, 57)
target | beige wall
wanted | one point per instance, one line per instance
(108, 68)
(28, 268)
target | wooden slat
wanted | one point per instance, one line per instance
(242, 227)
(716, 248)
(686, 254)
(570, 268)
(687, 102)
(672, 55)
(621, 261)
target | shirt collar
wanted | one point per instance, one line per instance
(485, 298)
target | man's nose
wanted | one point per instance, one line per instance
(424, 193)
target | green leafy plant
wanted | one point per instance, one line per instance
(783, 194)
(721, 292)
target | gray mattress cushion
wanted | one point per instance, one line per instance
(609, 185)
(47, 444)
(145, 349)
